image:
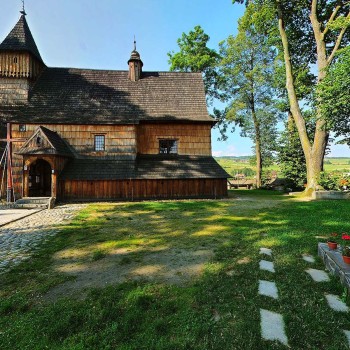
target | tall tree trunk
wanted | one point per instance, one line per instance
(257, 148)
(314, 152)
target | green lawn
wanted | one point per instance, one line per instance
(219, 309)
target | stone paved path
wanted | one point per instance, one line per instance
(9, 215)
(19, 239)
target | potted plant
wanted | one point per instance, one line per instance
(346, 254)
(346, 249)
(332, 242)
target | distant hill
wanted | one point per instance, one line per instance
(235, 158)
(241, 165)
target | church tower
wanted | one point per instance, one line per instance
(20, 64)
(135, 65)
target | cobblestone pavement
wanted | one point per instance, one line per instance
(9, 215)
(19, 239)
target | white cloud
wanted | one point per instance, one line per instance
(229, 151)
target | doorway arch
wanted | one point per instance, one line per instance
(40, 181)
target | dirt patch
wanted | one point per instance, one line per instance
(173, 266)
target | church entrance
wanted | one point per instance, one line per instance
(40, 179)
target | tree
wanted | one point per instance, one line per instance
(196, 56)
(311, 33)
(334, 97)
(291, 156)
(247, 68)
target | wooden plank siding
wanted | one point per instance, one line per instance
(193, 139)
(120, 139)
(141, 189)
(19, 65)
(123, 142)
(120, 142)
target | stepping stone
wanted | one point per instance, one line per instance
(268, 288)
(266, 265)
(347, 334)
(272, 326)
(266, 251)
(336, 304)
(318, 275)
(309, 258)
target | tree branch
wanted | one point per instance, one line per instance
(331, 20)
(337, 43)
(293, 100)
(314, 21)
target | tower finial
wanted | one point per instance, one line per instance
(134, 41)
(23, 12)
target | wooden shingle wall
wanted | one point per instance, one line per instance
(120, 139)
(142, 189)
(120, 143)
(193, 139)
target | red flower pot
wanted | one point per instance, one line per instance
(346, 259)
(332, 245)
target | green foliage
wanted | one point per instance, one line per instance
(196, 56)
(247, 68)
(329, 182)
(305, 47)
(334, 181)
(334, 97)
(291, 156)
(346, 251)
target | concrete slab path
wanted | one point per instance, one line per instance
(268, 289)
(272, 326)
(318, 275)
(266, 265)
(10, 215)
(336, 303)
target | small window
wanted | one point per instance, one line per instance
(99, 142)
(168, 146)
(22, 127)
(15, 60)
(39, 141)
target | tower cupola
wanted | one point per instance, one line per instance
(20, 64)
(135, 65)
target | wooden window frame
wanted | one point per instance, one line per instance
(168, 147)
(96, 143)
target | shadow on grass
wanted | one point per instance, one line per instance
(217, 310)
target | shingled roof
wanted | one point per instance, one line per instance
(21, 39)
(145, 167)
(53, 145)
(83, 96)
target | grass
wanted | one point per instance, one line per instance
(218, 310)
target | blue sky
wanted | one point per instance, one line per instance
(99, 34)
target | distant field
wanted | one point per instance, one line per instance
(337, 164)
(237, 165)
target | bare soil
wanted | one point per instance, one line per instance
(162, 265)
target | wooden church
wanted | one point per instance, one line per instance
(84, 134)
